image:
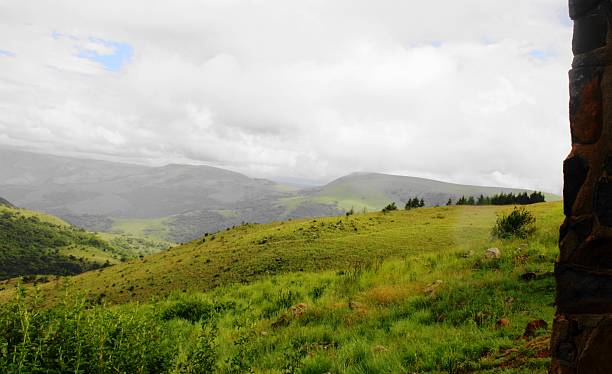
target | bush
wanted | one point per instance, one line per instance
(520, 223)
(389, 208)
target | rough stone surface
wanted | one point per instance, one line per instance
(575, 171)
(582, 290)
(590, 33)
(603, 205)
(586, 107)
(492, 253)
(581, 341)
(578, 8)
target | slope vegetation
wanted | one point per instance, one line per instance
(405, 292)
(33, 243)
(250, 252)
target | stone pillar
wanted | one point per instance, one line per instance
(582, 332)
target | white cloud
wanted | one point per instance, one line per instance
(317, 89)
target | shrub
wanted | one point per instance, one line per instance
(389, 208)
(520, 223)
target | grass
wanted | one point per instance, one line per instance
(154, 228)
(250, 252)
(406, 292)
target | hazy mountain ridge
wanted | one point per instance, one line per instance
(193, 200)
(6, 203)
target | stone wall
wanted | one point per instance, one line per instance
(582, 336)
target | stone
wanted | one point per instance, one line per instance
(586, 107)
(380, 349)
(575, 171)
(532, 328)
(578, 8)
(590, 33)
(595, 358)
(492, 253)
(529, 276)
(431, 289)
(503, 322)
(583, 291)
(603, 205)
(298, 310)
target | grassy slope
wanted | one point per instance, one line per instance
(370, 315)
(253, 251)
(38, 244)
(34, 243)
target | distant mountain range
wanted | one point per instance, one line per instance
(182, 202)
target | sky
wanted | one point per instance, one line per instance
(471, 91)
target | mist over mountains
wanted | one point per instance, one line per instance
(182, 202)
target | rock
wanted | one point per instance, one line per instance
(533, 326)
(529, 276)
(432, 288)
(298, 310)
(492, 253)
(380, 349)
(502, 322)
(481, 317)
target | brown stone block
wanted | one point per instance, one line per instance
(590, 33)
(586, 105)
(583, 291)
(581, 344)
(603, 201)
(578, 8)
(575, 171)
(573, 233)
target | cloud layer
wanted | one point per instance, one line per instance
(472, 91)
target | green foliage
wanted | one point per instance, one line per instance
(30, 246)
(414, 203)
(520, 223)
(373, 316)
(522, 198)
(389, 208)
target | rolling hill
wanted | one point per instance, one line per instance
(253, 251)
(178, 203)
(33, 243)
(407, 291)
(5, 203)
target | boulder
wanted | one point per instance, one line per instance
(492, 253)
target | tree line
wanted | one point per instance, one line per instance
(522, 198)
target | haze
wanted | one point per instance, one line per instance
(301, 89)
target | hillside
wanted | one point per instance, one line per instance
(253, 251)
(374, 190)
(33, 243)
(6, 203)
(408, 291)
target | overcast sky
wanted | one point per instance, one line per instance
(471, 91)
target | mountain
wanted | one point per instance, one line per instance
(179, 203)
(65, 186)
(6, 203)
(374, 190)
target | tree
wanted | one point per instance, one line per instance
(449, 202)
(389, 208)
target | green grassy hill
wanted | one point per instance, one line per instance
(33, 243)
(408, 291)
(253, 251)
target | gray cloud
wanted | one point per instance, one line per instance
(472, 91)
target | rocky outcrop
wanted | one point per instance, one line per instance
(582, 331)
